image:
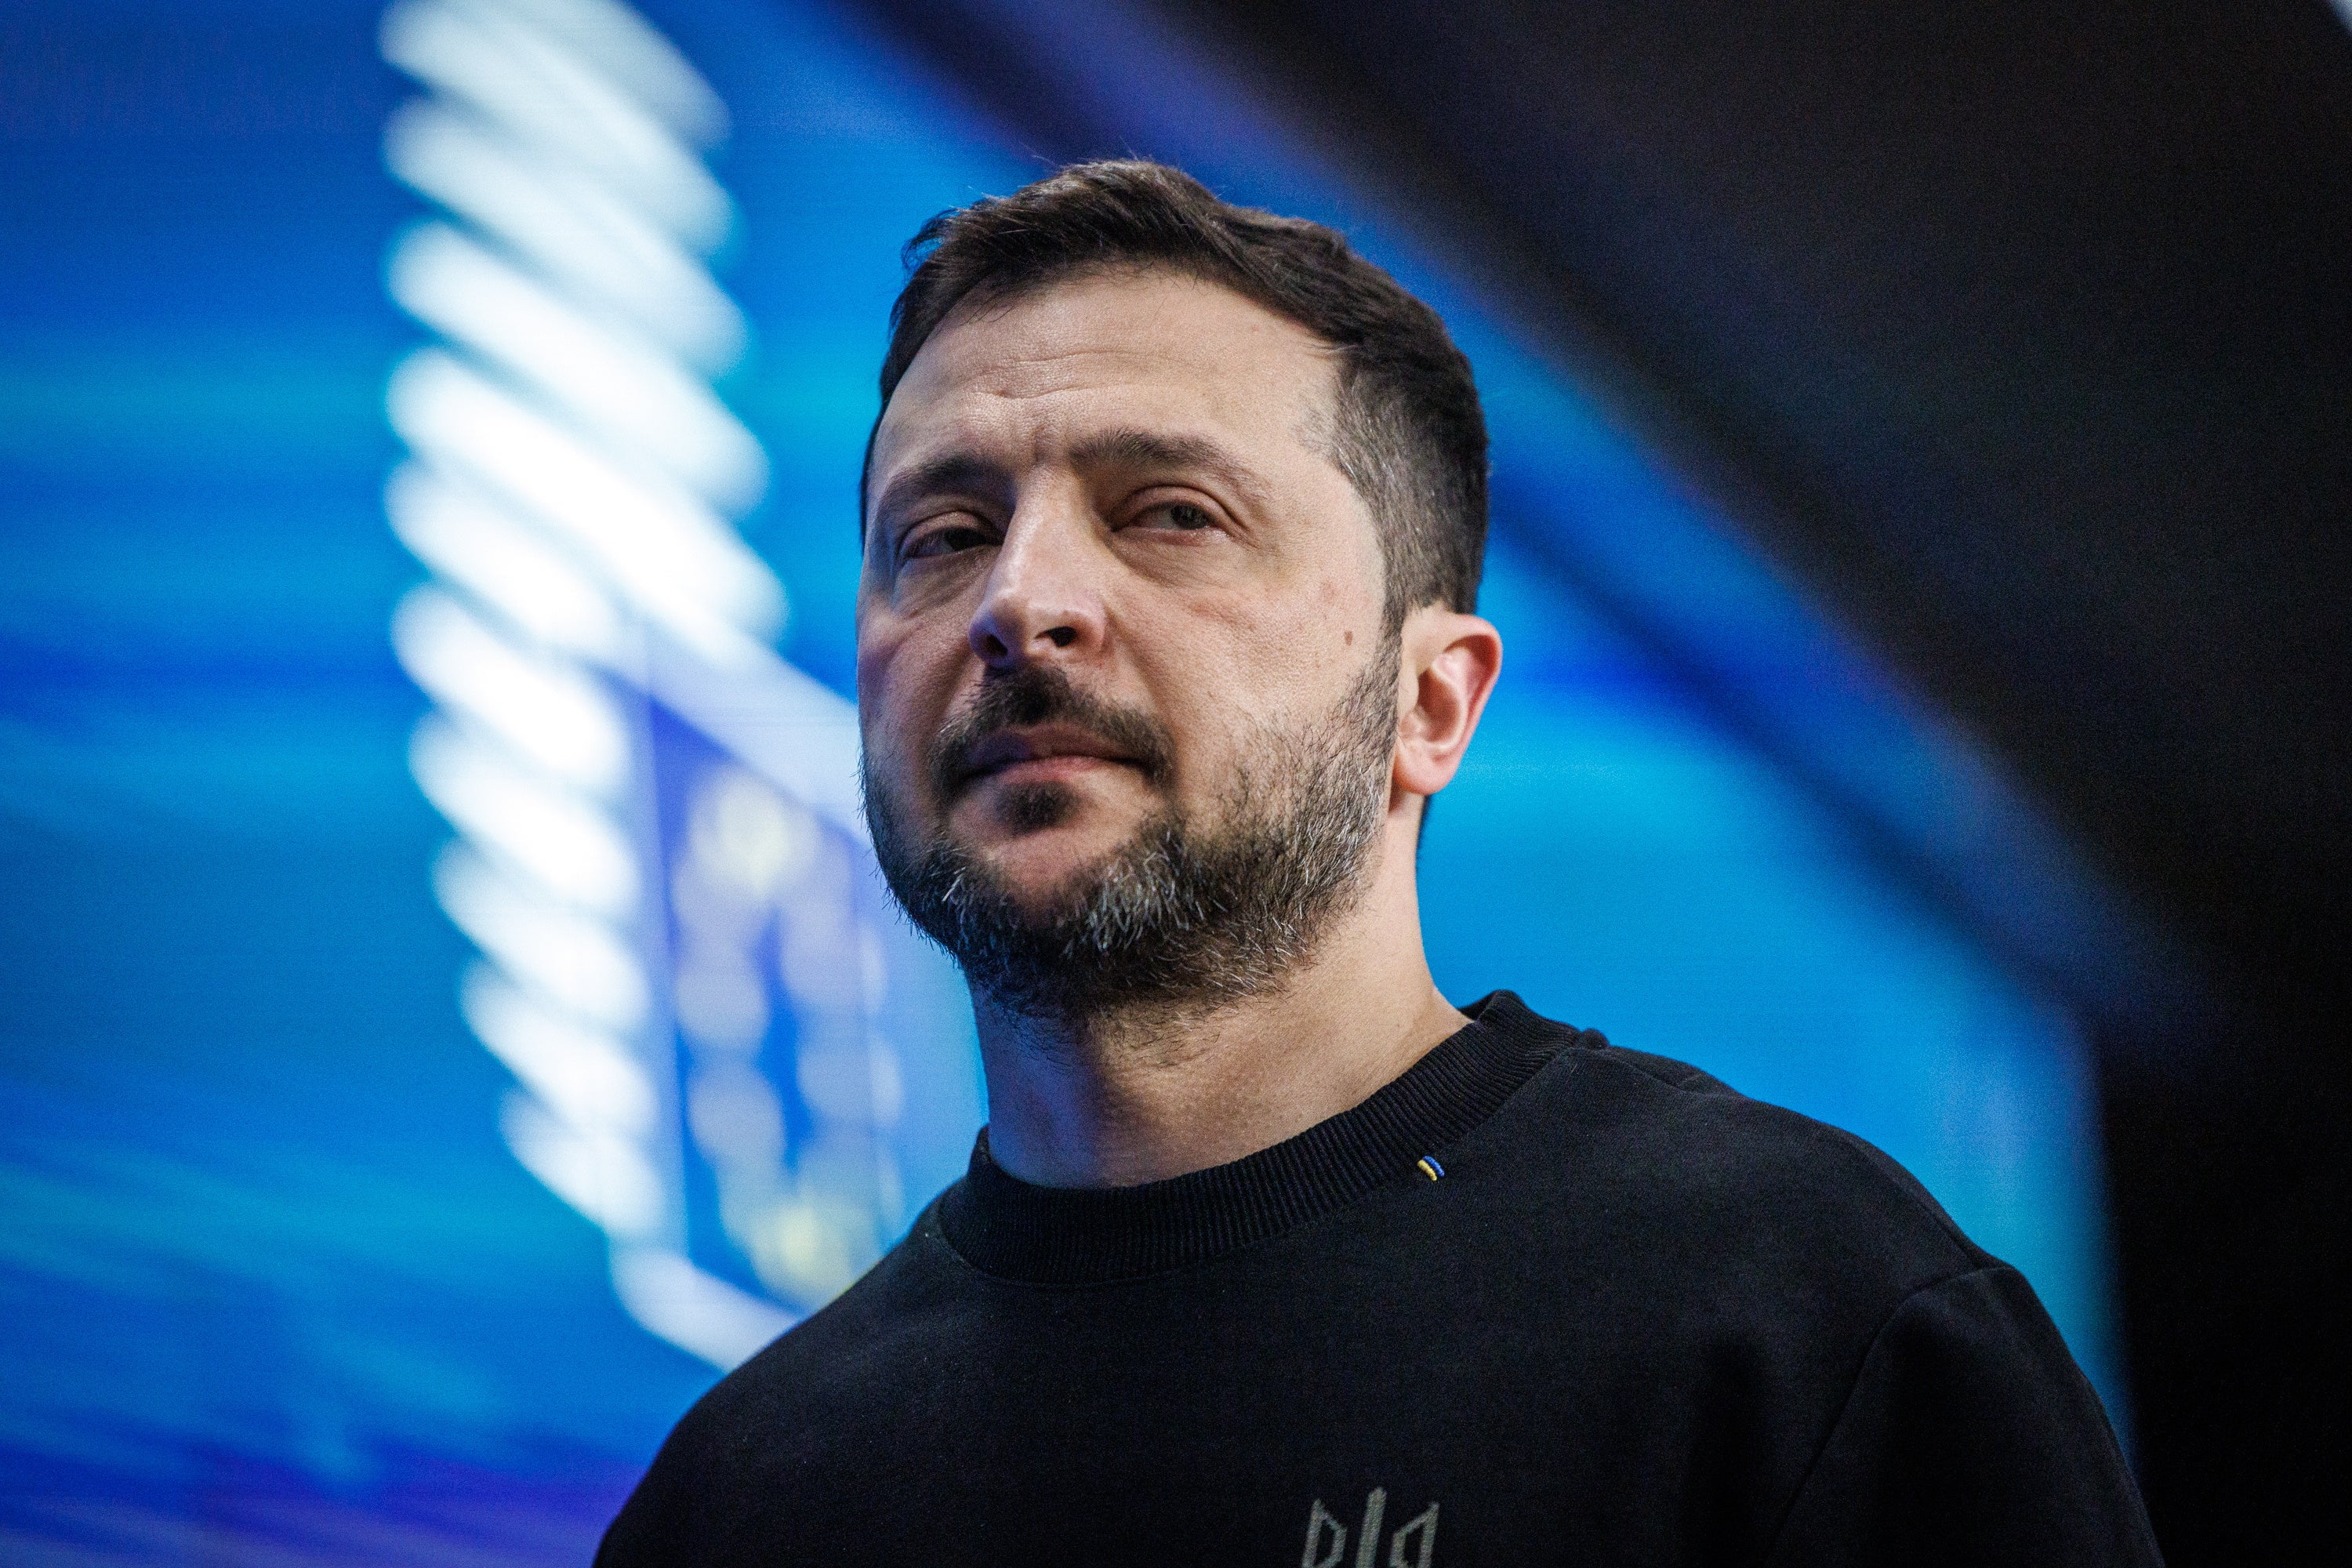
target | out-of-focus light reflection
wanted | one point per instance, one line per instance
(619, 43)
(568, 844)
(586, 1074)
(604, 1175)
(692, 1309)
(628, 393)
(570, 958)
(661, 856)
(657, 544)
(543, 709)
(576, 232)
(479, 547)
(518, 68)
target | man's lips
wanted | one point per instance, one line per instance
(1037, 752)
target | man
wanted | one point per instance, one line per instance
(1172, 525)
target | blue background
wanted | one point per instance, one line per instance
(267, 1274)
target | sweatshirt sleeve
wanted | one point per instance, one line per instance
(1970, 1436)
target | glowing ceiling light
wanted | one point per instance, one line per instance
(660, 546)
(588, 1077)
(619, 43)
(706, 1316)
(600, 638)
(567, 845)
(570, 111)
(607, 1177)
(575, 232)
(573, 961)
(543, 710)
(502, 563)
(627, 392)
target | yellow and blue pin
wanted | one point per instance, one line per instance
(1428, 1167)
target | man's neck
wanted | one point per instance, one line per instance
(1156, 1092)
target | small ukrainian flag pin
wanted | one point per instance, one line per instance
(1429, 1166)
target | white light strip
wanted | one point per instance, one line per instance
(629, 394)
(571, 114)
(546, 712)
(571, 961)
(573, 230)
(659, 545)
(502, 563)
(565, 843)
(605, 1177)
(572, 481)
(645, 65)
(695, 1311)
(587, 1076)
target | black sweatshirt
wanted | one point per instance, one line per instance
(1539, 1300)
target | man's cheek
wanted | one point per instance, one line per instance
(885, 765)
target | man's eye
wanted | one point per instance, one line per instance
(1182, 515)
(947, 540)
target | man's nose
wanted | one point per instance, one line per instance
(1044, 598)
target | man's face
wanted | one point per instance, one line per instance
(1117, 605)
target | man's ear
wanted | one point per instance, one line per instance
(1446, 671)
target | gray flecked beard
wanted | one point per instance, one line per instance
(1185, 914)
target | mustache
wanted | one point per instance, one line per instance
(1041, 694)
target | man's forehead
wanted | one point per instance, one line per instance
(1048, 364)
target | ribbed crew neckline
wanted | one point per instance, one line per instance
(1086, 1236)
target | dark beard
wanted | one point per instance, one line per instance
(1181, 913)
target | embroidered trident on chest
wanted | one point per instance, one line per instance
(1409, 1547)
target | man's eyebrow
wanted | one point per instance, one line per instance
(1134, 448)
(954, 471)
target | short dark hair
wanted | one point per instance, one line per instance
(1407, 432)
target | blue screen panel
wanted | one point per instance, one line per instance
(317, 1240)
